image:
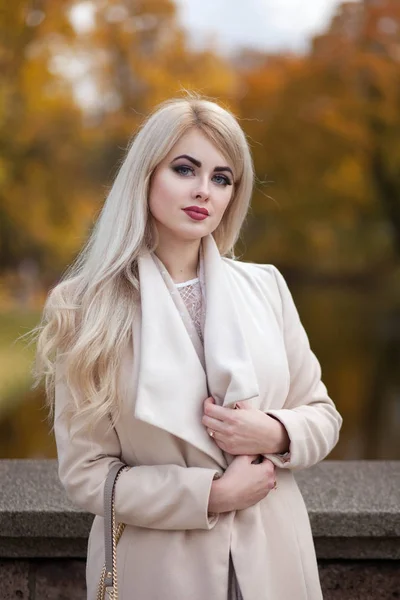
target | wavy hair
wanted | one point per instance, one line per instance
(87, 317)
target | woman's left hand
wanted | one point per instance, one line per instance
(248, 431)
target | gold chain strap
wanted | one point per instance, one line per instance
(112, 593)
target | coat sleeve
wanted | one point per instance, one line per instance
(158, 497)
(308, 414)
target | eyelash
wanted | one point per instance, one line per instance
(178, 168)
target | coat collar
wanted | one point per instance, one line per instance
(173, 380)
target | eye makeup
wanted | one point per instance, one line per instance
(181, 169)
(197, 163)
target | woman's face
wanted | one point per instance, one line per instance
(194, 175)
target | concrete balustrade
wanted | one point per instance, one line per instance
(354, 508)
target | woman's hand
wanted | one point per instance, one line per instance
(242, 485)
(248, 431)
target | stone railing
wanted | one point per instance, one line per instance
(354, 508)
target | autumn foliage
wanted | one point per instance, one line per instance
(324, 128)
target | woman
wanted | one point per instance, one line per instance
(187, 365)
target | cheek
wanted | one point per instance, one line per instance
(223, 202)
(160, 193)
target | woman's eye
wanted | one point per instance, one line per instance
(222, 180)
(183, 170)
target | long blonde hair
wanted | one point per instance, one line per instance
(87, 316)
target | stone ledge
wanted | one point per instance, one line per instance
(354, 509)
(64, 579)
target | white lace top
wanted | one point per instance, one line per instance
(190, 292)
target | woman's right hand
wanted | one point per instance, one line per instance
(242, 485)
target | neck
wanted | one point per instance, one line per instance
(180, 258)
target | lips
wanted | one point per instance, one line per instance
(198, 209)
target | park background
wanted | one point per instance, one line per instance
(322, 113)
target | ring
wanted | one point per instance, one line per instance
(211, 433)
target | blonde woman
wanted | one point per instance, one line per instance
(193, 369)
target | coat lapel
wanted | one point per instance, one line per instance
(230, 371)
(173, 380)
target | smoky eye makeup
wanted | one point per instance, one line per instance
(185, 170)
(182, 169)
(182, 166)
(225, 178)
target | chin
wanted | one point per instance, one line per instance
(192, 235)
(191, 232)
(186, 232)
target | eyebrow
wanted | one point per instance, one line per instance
(198, 163)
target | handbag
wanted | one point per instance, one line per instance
(112, 534)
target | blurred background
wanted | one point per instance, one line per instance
(317, 89)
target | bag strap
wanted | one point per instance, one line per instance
(108, 522)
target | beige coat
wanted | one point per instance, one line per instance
(255, 349)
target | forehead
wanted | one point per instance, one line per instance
(196, 144)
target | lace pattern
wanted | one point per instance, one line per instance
(191, 295)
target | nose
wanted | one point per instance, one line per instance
(201, 190)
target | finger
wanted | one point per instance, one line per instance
(267, 467)
(250, 457)
(258, 460)
(213, 424)
(217, 412)
(209, 400)
(218, 437)
(242, 404)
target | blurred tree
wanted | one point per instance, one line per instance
(137, 56)
(70, 98)
(366, 37)
(328, 125)
(39, 132)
